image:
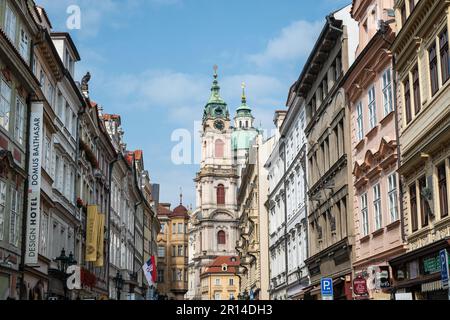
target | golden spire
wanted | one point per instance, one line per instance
(244, 97)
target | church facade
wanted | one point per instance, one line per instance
(214, 224)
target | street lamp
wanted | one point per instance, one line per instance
(119, 284)
(64, 262)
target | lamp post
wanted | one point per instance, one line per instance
(119, 283)
(64, 262)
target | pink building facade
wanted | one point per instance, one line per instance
(369, 86)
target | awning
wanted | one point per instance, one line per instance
(432, 286)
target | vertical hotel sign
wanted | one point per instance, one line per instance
(34, 183)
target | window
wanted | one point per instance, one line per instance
(359, 120)
(219, 149)
(392, 194)
(180, 251)
(14, 218)
(416, 90)
(174, 228)
(68, 116)
(179, 275)
(174, 251)
(2, 208)
(364, 216)
(413, 204)
(424, 208)
(19, 131)
(221, 237)
(61, 103)
(24, 45)
(403, 13)
(372, 107)
(231, 282)
(43, 235)
(10, 24)
(50, 93)
(412, 4)
(445, 57)
(443, 196)
(160, 276)
(74, 125)
(387, 92)
(180, 228)
(217, 282)
(407, 101)
(377, 207)
(338, 66)
(163, 225)
(5, 104)
(232, 296)
(161, 252)
(433, 69)
(217, 296)
(221, 194)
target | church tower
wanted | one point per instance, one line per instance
(244, 133)
(213, 226)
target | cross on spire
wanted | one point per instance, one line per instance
(181, 196)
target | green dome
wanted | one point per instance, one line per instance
(244, 110)
(216, 106)
(243, 138)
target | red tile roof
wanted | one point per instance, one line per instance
(138, 154)
(216, 266)
(111, 117)
(180, 212)
(163, 211)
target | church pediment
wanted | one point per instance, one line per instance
(222, 215)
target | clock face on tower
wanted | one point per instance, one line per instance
(219, 125)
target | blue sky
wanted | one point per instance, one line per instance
(151, 62)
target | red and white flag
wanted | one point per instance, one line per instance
(150, 271)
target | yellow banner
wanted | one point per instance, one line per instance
(100, 240)
(91, 234)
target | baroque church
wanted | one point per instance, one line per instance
(213, 226)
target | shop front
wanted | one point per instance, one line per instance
(9, 276)
(376, 281)
(417, 274)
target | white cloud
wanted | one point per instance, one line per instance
(293, 42)
(184, 95)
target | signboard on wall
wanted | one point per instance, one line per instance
(34, 183)
(360, 286)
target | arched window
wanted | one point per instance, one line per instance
(221, 237)
(220, 194)
(219, 148)
(246, 124)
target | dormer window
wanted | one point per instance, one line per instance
(224, 268)
(69, 62)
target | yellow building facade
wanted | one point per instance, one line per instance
(220, 280)
(173, 252)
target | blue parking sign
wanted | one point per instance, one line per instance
(444, 268)
(326, 285)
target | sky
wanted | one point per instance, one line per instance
(152, 62)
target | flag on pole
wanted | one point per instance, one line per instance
(150, 271)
